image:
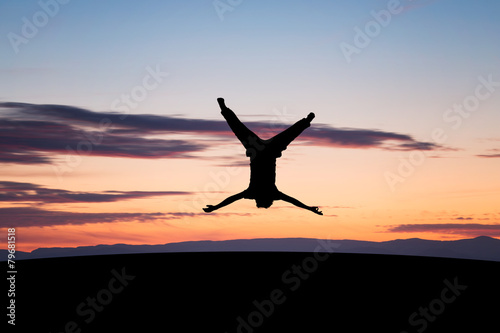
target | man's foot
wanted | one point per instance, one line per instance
(222, 105)
(310, 116)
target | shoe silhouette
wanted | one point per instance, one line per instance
(263, 155)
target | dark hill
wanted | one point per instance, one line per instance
(256, 292)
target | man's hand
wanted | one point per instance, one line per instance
(315, 210)
(209, 209)
(222, 105)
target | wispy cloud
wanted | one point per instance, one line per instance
(33, 134)
(38, 217)
(35, 142)
(489, 155)
(323, 135)
(35, 217)
(466, 229)
(28, 192)
(495, 152)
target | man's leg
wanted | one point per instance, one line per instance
(280, 141)
(287, 198)
(248, 138)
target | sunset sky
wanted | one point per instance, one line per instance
(110, 130)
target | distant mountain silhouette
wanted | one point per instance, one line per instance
(480, 248)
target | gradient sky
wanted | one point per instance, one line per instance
(110, 131)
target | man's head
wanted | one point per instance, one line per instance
(264, 202)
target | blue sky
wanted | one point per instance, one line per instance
(281, 51)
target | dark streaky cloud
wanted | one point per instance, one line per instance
(35, 217)
(489, 155)
(495, 152)
(32, 133)
(31, 142)
(470, 229)
(28, 192)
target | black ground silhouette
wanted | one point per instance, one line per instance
(263, 155)
(256, 292)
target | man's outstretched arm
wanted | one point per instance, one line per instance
(225, 202)
(297, 203)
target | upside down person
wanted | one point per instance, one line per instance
(263, 155)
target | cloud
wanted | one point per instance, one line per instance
(360, 138)
(33, 134)
(35, 142)
(28, 192)
(35, 217)
(468, 229)
(495, 154)
(489, 155)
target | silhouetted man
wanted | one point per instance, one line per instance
(263, 155)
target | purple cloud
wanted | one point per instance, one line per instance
(34, 142)
(32, 134)
(35, 217)
(28, 192)
(489, 155)
(469, 229)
